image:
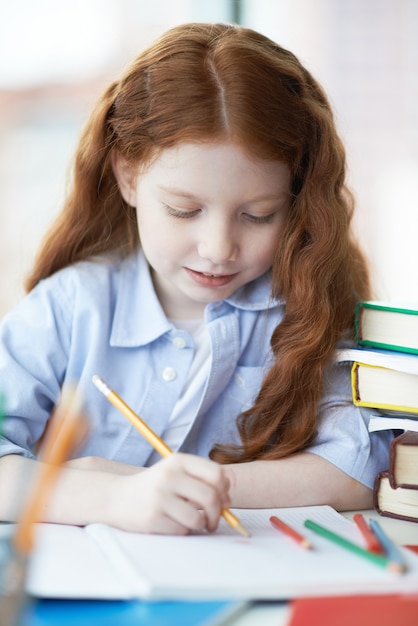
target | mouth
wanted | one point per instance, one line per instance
(212, 275)
(207, 279)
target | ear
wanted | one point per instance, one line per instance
(126, 177)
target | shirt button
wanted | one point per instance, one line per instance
(169, 374)
(179, 342)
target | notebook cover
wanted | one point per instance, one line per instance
(376, 505)
(408, 438)
(358, 401)
(362, 610)
(382, 306)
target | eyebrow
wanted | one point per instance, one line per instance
(180, 193)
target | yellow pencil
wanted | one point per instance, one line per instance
(157, 443)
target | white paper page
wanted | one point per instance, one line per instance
(402, 361)
(66, 563)
(267, 565)
(379, 422)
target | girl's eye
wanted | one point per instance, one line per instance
(181, 214)
(260, 219)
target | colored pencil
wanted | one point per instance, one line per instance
(378, 559)
(372, 542)
(68, 426)
(157, 443)
(64, 433)
(388, 546)
(290, 532)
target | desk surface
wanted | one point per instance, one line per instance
(50, 613)
(403, 533)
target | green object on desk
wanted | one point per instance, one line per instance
(378, 559)
(129, 613)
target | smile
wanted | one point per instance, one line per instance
(205, 279)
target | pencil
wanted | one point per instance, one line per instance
(290, 532)
(157, 443)
(391, 550)
(67, 427)
(378, 559)
(372, 542)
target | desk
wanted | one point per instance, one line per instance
(403, 533)
(82, 613)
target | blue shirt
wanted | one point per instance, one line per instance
(103, 317)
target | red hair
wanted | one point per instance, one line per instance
(209, 82)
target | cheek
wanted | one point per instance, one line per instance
(159, 241)
(263, 249)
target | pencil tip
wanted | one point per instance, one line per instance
(397, 568)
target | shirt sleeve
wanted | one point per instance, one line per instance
(343, 437)
(33, 354)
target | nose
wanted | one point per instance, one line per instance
(218, 242)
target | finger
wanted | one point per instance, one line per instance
(204, 469)
(184, 514)
(165, 525)
(199, 495)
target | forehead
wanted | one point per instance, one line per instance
(218, 160)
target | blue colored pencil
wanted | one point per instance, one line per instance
(378, 559)
(391, 550)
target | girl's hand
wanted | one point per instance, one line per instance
(175, 496)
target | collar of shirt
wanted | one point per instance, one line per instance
(139, 318)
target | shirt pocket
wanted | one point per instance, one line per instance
(244, 386)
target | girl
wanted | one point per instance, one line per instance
(203, 265)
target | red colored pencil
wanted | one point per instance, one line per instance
(290, 532)
(372, 542)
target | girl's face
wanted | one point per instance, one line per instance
(209, 219)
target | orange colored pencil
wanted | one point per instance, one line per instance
(67, 428)
(290, 532)
(372, 542)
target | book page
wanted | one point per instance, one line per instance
(400, 361)
(67, 564)
(267, 565)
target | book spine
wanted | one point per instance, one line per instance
(354, 384)
(357, 321)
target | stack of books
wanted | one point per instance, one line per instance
(384, 377)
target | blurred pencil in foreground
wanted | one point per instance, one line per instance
(67, 429)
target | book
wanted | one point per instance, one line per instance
(99, 561)
(393, 422)
(400, 502)
(128, 613)
(387, 325)
(384, 388)
(380, 358)
(403, 461)
(359, 610)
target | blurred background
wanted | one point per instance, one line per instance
(56, 57)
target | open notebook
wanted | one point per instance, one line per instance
(99, 561)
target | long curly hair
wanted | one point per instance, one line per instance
(217, 82)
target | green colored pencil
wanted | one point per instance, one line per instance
(377, 559)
